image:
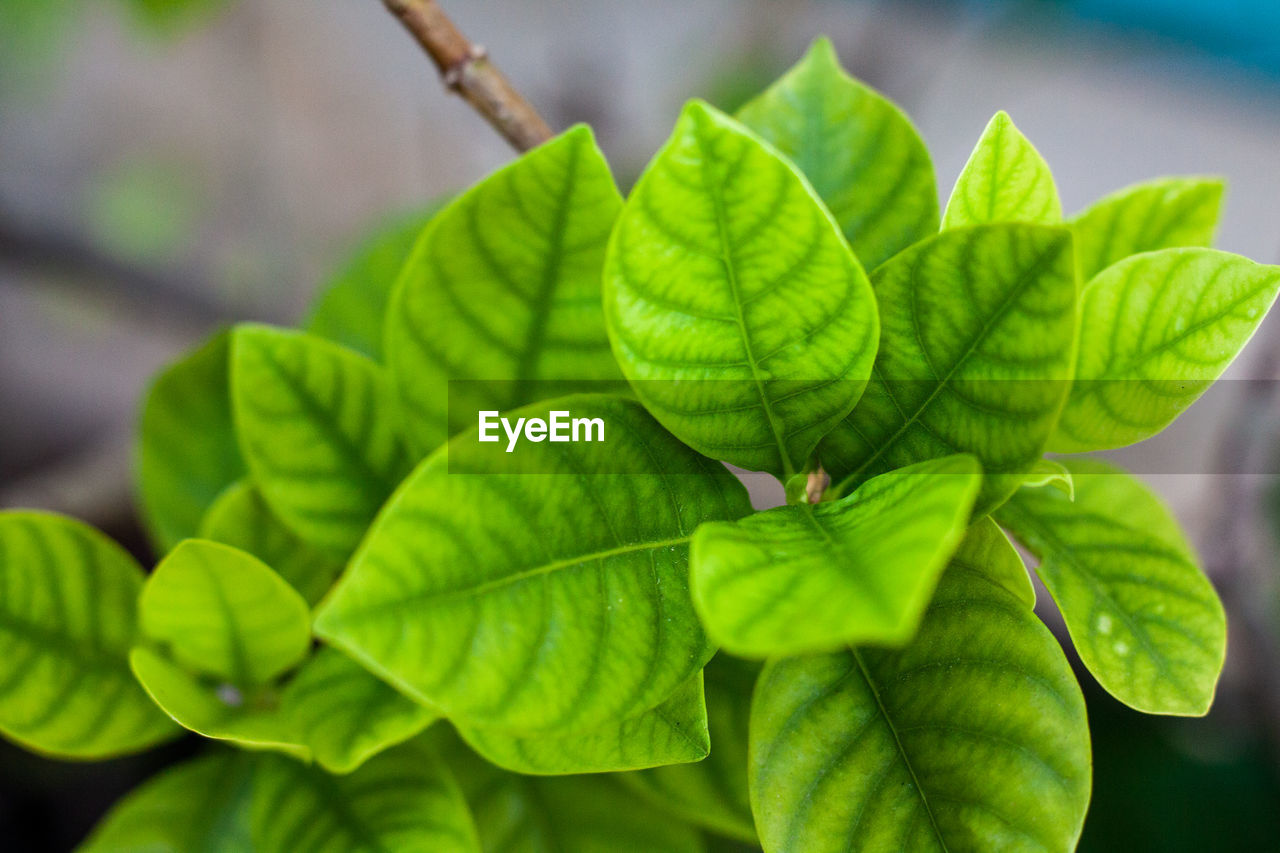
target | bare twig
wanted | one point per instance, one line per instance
(466, 69)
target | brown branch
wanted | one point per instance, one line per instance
(466, 69)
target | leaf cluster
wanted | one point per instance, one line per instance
(629, 657)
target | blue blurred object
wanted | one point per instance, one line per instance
(1245, 31)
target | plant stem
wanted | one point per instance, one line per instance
(816, 485)
(465, 69)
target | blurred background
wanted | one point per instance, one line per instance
(167, 166)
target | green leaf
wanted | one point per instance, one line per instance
(186, 452)
(1050, 472)
(351, 308)
(860, 152)
(1142, 615)
(1142, 509)
(811, 577)
(199, 806)
(734, 305)
(68, 598)
(672, 732)
(978, 329)
(215, 709)
(711, 793)
(1156, 330)
(1005, 180)
(401, 800)
(720, 844)
(564, 604)
(973, 737)
(241, 518)
(227, 625)
(224, 613)
(986, 548)
(1159, 214)
(317, 427)
(582, 814)
(344, 714)
(505, 285)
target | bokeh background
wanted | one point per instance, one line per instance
(167, 166)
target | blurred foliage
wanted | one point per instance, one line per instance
(349, 307)
(170, 17)
(34, 33)
(1152, 794)
(30, 35)
(144, 210)
(740, 78)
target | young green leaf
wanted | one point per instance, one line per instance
(734, 305)
(402, 800)
(971, 738)
(1138, 506)
(199, 805)
(241, 518)
(858, 570)
(977, 344)
(1160, 214)
(227, 625)
(1049, 472)
(1156, 330)
(1005, 180)
(68, 603)
(187, 451)
(224, 613)
(246, 717)
(672, 732)
(1143, 617)
(860, 152)
(564, 603)
(344, 714)
(505, 284)
(711, 793)
(582, 814)
(316, 425)
(351, 308)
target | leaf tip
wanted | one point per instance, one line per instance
(580, 133)
(822, 51)
(1001, 120)
(699, 111)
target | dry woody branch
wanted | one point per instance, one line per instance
(465, 69)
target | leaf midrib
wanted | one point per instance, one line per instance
(372, 482)
(1016, 291)
(530, 353)
(240, 669)
(902, 752)
(1119, 372)
(1063, 551)
(726, 257)
(873, 593)
(533, 572)
(213, 822)
(340, 806)
(86, 656)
